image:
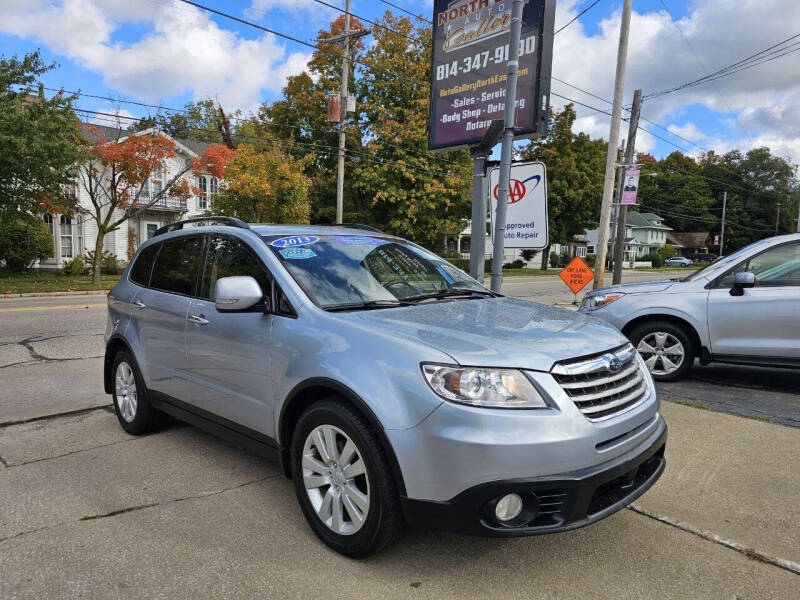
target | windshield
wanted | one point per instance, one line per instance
(725, 261)
(368, 271)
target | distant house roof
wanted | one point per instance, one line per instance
(102, 133)
(646, 220)
(698, 239)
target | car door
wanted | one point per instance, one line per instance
(229, 352)
(762, 322)
(162, 309)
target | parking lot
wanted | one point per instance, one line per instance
(89, 511)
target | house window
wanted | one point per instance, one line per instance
(590, 249)
(151, 230)
(202, 199)
(581, 250)
(156, 182)
(66, 236)
(213, 188)
(79, 235)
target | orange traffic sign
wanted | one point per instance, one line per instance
(576, 274)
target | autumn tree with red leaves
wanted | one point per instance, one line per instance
(117, 173)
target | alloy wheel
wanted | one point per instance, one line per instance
(126, 391)
(662, 352)
(335, 479)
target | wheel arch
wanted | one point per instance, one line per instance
(697, 344)
(115, 343)
(309, 391)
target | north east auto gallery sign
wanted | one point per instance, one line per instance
(468, 76)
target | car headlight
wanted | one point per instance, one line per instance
(494, 388)
(599, 301)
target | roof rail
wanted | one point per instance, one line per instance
(231, 221)
(350, 226)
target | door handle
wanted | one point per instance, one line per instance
(198, 320)
(139, 305)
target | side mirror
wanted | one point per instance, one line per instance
(743, 280)
(239, 292)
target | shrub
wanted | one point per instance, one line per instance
(655, 259)
(24, 240)
(590, 259)
(668, 251)
(518, 264)
(528, 255)
(74, 267)
(554, 260)
(109, 263)
(564, 259)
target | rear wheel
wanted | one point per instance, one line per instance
(666, 349)
(343, 481)
(131, 403)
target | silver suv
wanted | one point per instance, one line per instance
(393, 388)
(743, 308)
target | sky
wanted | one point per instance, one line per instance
(168, 53)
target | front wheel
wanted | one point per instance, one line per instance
(666, 349)
(343, 481)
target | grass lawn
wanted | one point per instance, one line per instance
(49, 281)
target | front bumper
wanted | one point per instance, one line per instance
(552, 503)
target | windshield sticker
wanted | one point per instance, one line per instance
(295, 240)
(359, 240)
(297, 253)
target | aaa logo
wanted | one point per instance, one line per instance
(517, 189)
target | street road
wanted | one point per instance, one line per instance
(89, 511)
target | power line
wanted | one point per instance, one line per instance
(408, 12)
(579, 15)
(373, 23)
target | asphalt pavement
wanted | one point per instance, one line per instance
(89, 511)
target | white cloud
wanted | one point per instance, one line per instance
(185, 51)
(765, 99)
(258, 8)
(112, 116)
(689, 131)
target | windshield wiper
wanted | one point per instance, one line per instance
(367, 305)
(449, 292)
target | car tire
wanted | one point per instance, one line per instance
(131, 401)
(333, 502)
(653, 336)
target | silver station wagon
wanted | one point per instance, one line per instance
(392, 388)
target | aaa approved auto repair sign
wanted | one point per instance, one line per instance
(526, 219)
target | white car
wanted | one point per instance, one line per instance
(678, 261)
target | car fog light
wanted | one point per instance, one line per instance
(508, 507)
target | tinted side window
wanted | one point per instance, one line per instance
(177, 265)
(776, 267)
(140, 271)
(228, 256)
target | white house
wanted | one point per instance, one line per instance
(73, 235)
(644, 233)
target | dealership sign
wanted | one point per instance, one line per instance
(469, 65)
(526, 218)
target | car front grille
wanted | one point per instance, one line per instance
(605, 385)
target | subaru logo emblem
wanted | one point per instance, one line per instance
(614, 364)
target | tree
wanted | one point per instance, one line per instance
(22, 241)
(667, 251)
(39, 142)
(119, 177)
(204, 121)
(575, 170)
(404, 189)
(265, 186)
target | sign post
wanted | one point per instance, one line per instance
(577, 276)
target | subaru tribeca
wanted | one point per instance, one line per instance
(393, 388)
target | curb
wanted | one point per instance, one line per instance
(50, 294)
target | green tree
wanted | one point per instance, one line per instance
(575, 168)
(203, 121)
(39, 141)
(22, 241)
(405, 189)
(667, 251)
(266, 186)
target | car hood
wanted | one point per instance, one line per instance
(497, 332)
(639, 287)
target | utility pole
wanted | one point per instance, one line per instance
(722, 233)
(622, 209)
(509, 120)
(345, 37)
(798, 215)
(777, 217)
(613, 137)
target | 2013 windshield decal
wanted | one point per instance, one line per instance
(295, 240)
